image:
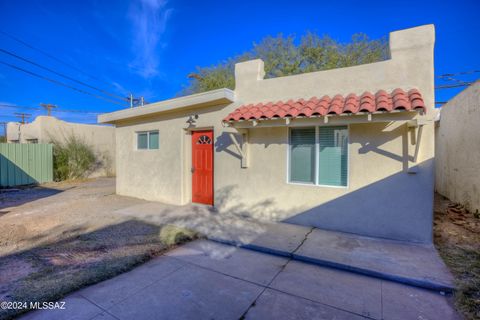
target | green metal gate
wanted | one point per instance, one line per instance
(22, 164)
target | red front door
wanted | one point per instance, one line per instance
(202, 167)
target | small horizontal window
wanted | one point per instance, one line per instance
(147, 140)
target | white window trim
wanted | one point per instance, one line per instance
(317, 159)
(148, 140)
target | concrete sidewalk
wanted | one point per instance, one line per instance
(208, 280)
(403, 262)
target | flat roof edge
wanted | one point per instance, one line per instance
(220, 95)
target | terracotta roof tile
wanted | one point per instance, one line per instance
(398, 99)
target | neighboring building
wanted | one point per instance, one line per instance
(457, 149)
(44, 129)
(359, 160)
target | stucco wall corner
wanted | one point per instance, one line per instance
(248, 72)
(414, 38)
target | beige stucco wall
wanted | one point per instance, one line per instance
(384, 197)
(44, 128)
(457, 172)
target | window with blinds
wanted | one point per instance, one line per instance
(302, 155)
(319, 155)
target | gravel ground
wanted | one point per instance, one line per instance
(59, 237)
(457, 238)
(33, 216)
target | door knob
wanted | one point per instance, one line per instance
(192, 169)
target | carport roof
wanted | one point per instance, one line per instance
(210, 98)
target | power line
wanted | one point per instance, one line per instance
(39, 109)
(23, 116)
(453, 79)
(79, 111)
(458, 83)
(448, 86)
(59, 83)
(457, 73)
(61, 74)
(16, 107)
(53, 57)
(48, 107)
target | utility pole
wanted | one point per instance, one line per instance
(23, 116)
(48, 107)
(133, 101)
(4, 130)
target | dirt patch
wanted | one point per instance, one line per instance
(457, 237)
(70, 237)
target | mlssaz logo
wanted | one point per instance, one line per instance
(47, 305)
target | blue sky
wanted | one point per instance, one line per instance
(148, 47)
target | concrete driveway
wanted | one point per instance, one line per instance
(208, 280)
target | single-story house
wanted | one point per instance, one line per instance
(347, 149)
(46, 129)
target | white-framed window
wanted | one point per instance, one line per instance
(318, 156)
(147, 140)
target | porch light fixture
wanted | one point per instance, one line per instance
(191, 120)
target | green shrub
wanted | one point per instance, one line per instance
(172, 235)
(73, 158)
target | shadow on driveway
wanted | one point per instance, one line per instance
(80, 258)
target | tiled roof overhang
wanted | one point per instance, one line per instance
(382, 101)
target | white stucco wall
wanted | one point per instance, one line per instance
(382, 199)
(457, 171)
(44, 128)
